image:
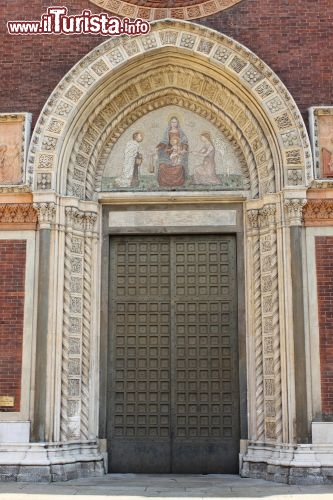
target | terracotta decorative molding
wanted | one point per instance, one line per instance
(21, 214)
(177, 9)
(318, 212)
(321, 184)
(15, 189)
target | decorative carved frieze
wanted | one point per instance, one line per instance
(17, 213)
(318, 212)
(24, 188)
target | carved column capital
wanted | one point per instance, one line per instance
(294, 211)
(253, 218)
(90, 221)
(267, 215)
(70, 214)
(75, 218)
(46, 212)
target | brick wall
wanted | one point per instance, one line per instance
(12, 280)
(324, 264)
(292, 37)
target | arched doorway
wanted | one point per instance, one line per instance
(128, 82)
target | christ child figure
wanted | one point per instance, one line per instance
(175, 151)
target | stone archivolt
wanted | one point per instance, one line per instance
(113, 122)
(208, 68)
(151, 9)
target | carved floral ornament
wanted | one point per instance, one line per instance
(263, 217)
(318, 212)
(46, 212)
(17, 213)
(225, 92)
(267, 216)
(80, 220)
(177, 9)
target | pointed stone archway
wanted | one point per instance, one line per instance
(122, 80)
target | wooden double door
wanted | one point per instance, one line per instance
(173, 389)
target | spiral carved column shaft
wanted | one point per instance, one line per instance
(254, 241)
(266, 326)
(78, 277)
(66, 329)
(276, 340)
(90, 220)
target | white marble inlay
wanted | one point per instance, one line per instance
(322, 432)
(14, 432)
(165, 218)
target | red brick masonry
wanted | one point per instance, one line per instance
(291, 37)
(12, 285)
(324, 264)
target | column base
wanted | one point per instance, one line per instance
(290, 464)
(48, 462)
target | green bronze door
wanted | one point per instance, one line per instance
(173, 371)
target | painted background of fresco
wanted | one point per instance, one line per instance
(325, 144)
(11, 139)
(198, 157)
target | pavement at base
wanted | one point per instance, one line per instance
(151, 486)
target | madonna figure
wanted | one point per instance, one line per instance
(172, 154)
